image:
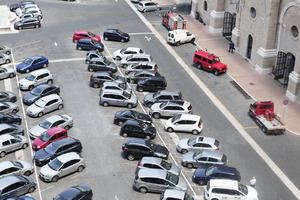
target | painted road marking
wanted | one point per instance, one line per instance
(27, 44)
(277, 171)
(249, 127)
(143, 33)
(7, 85)
(66, 60)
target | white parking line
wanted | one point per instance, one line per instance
(66, 60)
(7, 85)
(27, 44)
(272, 165)
(20, 155)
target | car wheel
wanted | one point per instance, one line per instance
(80, 168)
(118, 58)
(7, 61)
(40, 25)
(189, 165)
(36, 26)
(216, 72)
(129, 105)
(55, 179)
(106, 38)
(140, 89)
(39, 18)
(18, 123)
(170, 130)
(2, 154)
(105, 104)
(40, 114)
(156, 115)
(67, 127)
(183, 151)
(120, 123)
(177, 43)
(50, 81)
(96, 85)
(30, 87)
(264, 129)
(27, 173)
(11, 75)
(130, 157)
(7, 53)
(90, 69)
(148, 137)
(14, 111)
(60, 106)
(124, 134)
(27, 71)
(193, 40)
(122, 40)
(31, 189)
(195, 132)
(45, 65)
(24, 146)
(143, 190)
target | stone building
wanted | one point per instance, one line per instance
(265, 32)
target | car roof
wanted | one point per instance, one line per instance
(172, 193)
(40, 71)
(133, 49)
(153, 173)
(111, 91)
(136, 141)
(6, 137)
(151, 160)
(179, 31)
(53, 118)
(43, 86)
(131, 122)
(156, 78)
(110, 30)
(97, 59)
(5, 164)
(63, 141)
(4, 126)
(212, 154)
(102, 74)
(223, 183)
(36, 57)
(146, 1)
(225, 169)
(190, 117)
(68, 156)
(148, 63)
(81, 32)
(50, 97)
(55, 130)
(141, 55)
(170, 92)
(203, 139)
(85, 40)
(145, 72)
(8, 180)
(110, 83)
(178, 103)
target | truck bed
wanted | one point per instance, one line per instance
(271, 125)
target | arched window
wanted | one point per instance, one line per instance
(205, 5)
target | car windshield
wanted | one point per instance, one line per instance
(91, 34)
(215, 60)
(93, 42)
(50, 149)
(175, 118)
(172, 177)
(127, 95)
(166, 165)
(123, 86)
(156, 94)
(163, 104)
(40, 103)
(209, 171)
(30, 77)
(45, 137)
(143, 125)
(192, 141)
(16, 163)
(119, 32)
(36, 91)
(28, 61)
(55, 164)
(129, 57)
(45, 124)
(243, 189)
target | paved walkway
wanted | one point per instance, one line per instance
(260, 87)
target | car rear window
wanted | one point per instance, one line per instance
(136, 177)
(190, 107)
(224, 159)
(217, 143)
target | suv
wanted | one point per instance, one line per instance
(141, 66)
(170, 109)
(116, 35)
(152, 84)
(139, 129)
(36, 78)
(228, 189)
(101, 64)
(209, 62)
(184, 123)
(98, 78)
(93, 54)
(162, 96)
(138, 148)
(135, 58)
(89, 44)
(117, 98)
(85, 35)
(32, 12)
(30, 22)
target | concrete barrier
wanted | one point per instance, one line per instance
(6, 19)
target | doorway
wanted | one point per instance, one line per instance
(228, 24)
(249, 47)
(284, 66)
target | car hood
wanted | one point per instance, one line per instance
(26, 165)
(38, 142)
(182, 184)
(133, 98)
(188, 157)
(155, 107)
(144, 117)
(22, 65)
(183, 144)
(252, 193)
(34, 109)
(37, 130)
(24, 81)
(12, 105)
(220, 65)
(125, 35)
(149, 97)
(112, 65)
(10, 94)
(46, 170)
(99, 45)
(10, 70)
(161, 151)
(200, 173)
(42, 155)
(29, 97)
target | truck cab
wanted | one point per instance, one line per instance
(262, 107)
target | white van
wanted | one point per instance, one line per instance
(180, 36)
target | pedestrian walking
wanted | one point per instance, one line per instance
(231, 47)
(252, 182)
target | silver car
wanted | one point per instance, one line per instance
(8, 96)
(5, 49)
(133, 59)
(170, 109)
(36, 78)
(15, 168)
(113, 85)
(9, 143)
(117, 98)
(203, 158)
(172, 194)
(135, 77)
(157, 163)
(13, 186)
(64, 121)
(146, 6)
(198, 143)
(62, 165)
(123, 53)
(7, 72)
(11, 129)
(8, 108)
(151, 66)
(4, 59)
(157, 180)
(45, 105)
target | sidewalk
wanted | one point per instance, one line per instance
(260, 87)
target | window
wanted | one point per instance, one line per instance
(212, 160)
(253, 12)
(294, 31)
(6, 143)
(57, 123)
(205, 5)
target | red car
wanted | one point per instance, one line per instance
(85, 35)
(51, 135)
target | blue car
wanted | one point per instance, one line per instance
(33, 63)
(89, 44)
(22, 198)
(203, 175)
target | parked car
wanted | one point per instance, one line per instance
(12, 186)
(32, 13)
(202, 175)
(134, 59)
(32, 63)
(170, 109)
(229, 189)
(23, 197)
(157, 163)
(122, 53)
(5, 49)
(78, 35)
(113, 85)
(116, 35)
(20, 11)
(39, 92)
(76, 192)
(162, 96)
(137, 148)
(30, 22)
(157, 180)
(61, 166)
(122, 116)
(19, 167)
(175, 194)
(45, 105)
(89, 44)
(64, 121)
(135, 77)
(10, 119)
(150, 66)
(10, 143)
(203, 158)
(7, 72)
(152, 84)
(93, 54)
(146, 6)
(185, 123)
(8, 108)
(180, 36)
(49, 136)
(6, 96)
(102, 64)
(117, 98)
(132, 128)
(15, 6)
(12, 129)
(4, 59)
(198, 143)
(41, 76)
(98, 78)
(57, 148)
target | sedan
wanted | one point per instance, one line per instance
(151, 66)
(122, 53)
(157, 163)
(8, 96)
(39, 92)
(4, 59)
(122, 116)
(7, 72)
(61, 166)
(8, 108)
(135, 77)
(11, 129)
(198, 143)
(116, 35)
(30, 22)
(138, 129)
(76, 192)
(15, 168)
(5, 49)
(32, 63)
(10, 119)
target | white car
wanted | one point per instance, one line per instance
(7, 72)
(145, 6)
(180, 36)
(199, 143)
(15, 168)
(36, 78)
(21, 11)
(45, 105)
(123, 53)
(135, 58)
(184, 123)
(64, 121)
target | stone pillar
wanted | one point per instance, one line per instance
(216, 17)
(194, 7)
(293, 90)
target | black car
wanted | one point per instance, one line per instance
(15, 6)
(8, 96)
(30, 22)
(39, 92)
(152, 84)
(137, 148)
(135, 77)
(102, 64)
(89, 44)
(98, 78)
(59, 147)
(116, 35)
(133, 128)
(123, 116)
(10, 119)
(81, 191)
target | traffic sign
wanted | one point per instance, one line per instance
(285, 102)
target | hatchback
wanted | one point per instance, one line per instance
(30, 22)
(32, 63)
(35, 78)
(39, 92)
(102, 64)
(175, 194)
(4, 59)
(150, 66)
(61, 166)
(8, 96)
(122, 116)
(93, 54)
(138, 129)
(15, 168)
(115, 35)
(157, 180)
(134, 77)
(89, 44)
(85, 35)
(32, 13)
(203, 158)
(8, 108)
(113, 85)
(7, 72)
(13, 186)
(198, 143)
(10, 119)
(46, 138)
(152, 84)
(45, 105)
(5, 49)
(98, 78)
(10, 143)
(76, 192)
(137, 148)
(203, 175)
(184, 123)
(117, 98)
(162, 96)
(170, 109)
(146, 6)
(12, 129)
(135, 58)
(122, 53)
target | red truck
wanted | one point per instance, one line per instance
(209, 62)
(262, 112)
(173, 21)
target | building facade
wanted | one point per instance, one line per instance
(265, 32)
